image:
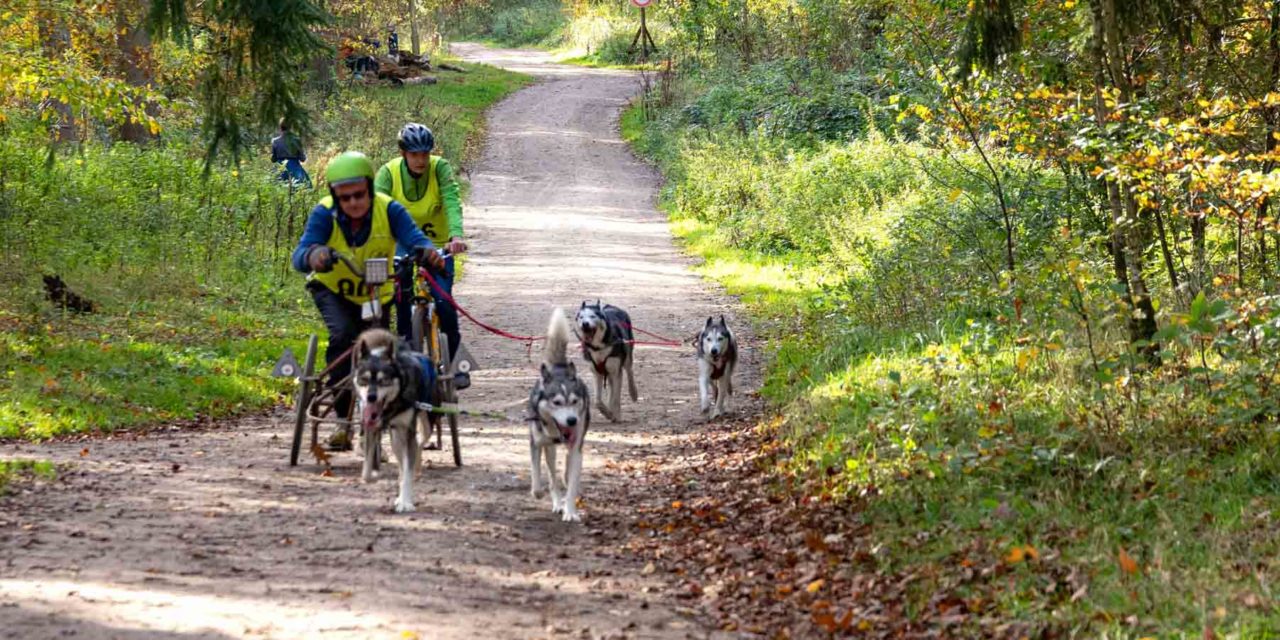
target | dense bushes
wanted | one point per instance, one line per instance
(526, 24)
(920, 377)
(189, 271)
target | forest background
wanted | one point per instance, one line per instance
(1014, 262)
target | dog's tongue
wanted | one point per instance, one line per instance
(369, 418)
(566, 433)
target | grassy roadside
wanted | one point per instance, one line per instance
(185, 333)
(987, 479)
(15, 470)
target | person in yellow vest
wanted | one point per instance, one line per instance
(357, 221)
(424, 184)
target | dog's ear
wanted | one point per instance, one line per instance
(546, 372)
(363, 351)
(573, 370)
(598, 302)
(584, 305)
(709, 321)
(723, 323)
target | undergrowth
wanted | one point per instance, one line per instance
(973, 420)
(194, 296)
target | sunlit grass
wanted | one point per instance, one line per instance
(11, 470)
(202, 346)
(977, 440)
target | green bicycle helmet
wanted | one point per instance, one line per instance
(348, 166)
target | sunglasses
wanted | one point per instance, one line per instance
(359, 195)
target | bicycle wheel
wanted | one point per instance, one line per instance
(450, 396)
(306, 388)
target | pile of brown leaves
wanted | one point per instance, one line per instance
(761, 556)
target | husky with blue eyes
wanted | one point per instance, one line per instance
(559, 413)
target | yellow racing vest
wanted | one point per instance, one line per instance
(381, 244)
(427, 212)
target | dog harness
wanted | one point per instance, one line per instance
(719, 366)
(617, 348)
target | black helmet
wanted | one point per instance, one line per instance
(416, 137)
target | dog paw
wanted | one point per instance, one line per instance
(404, 506)
(537, 492)
(369, 478)
(706, 409)
(604, 411)
(571, 515)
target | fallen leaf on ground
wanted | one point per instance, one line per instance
(1127, 563)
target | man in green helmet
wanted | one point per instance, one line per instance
(359, 222)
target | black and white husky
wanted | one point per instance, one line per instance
(559, 414)
(607, 343)
(387, 381)
(717, 357)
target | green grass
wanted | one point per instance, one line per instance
(964, 439)
(14, 470)
(196, 338)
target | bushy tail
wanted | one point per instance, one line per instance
(558, 332)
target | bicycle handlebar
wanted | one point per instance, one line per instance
(335, 255)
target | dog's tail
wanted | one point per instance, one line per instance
(558, 333)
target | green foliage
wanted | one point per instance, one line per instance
(11, 470)
(528, 24)
(196, 298)
(786, 98)
(964, 423)
(255, 52)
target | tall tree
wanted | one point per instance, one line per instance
(259, 49)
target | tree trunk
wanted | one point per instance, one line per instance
(1127, 244)
(55, 39)
(1199, 266)
(135, 65)
(414, 38)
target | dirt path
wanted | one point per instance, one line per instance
(210, 534)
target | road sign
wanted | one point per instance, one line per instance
(287, 366)
(642, 3)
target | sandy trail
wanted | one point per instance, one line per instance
(210, 534)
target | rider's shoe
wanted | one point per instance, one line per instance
(461, 380)
(340, 440)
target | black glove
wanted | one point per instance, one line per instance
(320, 259)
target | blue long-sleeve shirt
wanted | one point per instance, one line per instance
(320, 226)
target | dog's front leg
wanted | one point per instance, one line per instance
(722, 395)
(535, 469)
(615, 389)
(404, 443)
(704, 384)
(573, 471)
(369, 442)
(557, 483)
(600, 389)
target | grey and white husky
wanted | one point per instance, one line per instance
(559, 414)
(607, 343)
(387, 382)
(717, 357)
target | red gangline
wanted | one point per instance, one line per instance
(435, 286)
